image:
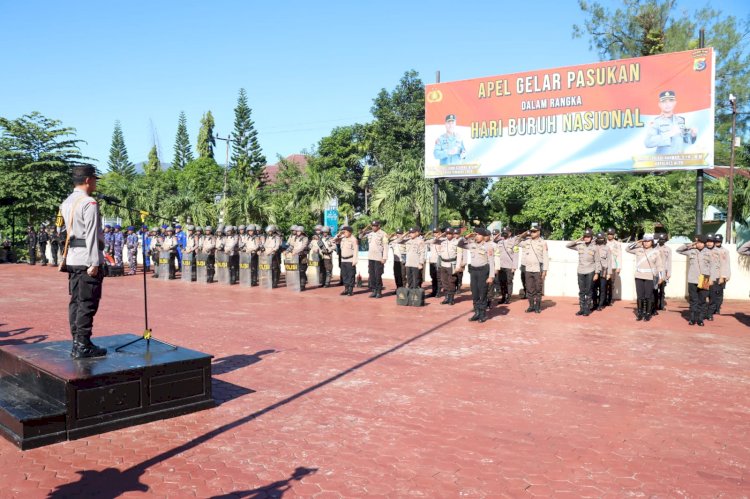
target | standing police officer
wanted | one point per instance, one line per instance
(535, 260)
(42, 238)
(83, 260)
(349, 251)
(131, 241)
(478, 254)
(377, 255)
(31, 240)
(588, 269)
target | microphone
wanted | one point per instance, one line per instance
(109, 199)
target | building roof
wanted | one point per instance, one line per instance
(723, 172)
(273, 170)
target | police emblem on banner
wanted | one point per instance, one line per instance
(434, 96)
(699, 64)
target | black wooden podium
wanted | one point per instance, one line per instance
(47, 397)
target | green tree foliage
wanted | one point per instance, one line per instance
(343, 150)
(403, 196)
(319, 185)
(183, 154)
(397, 133)
(206, 140)
(468, 197)
(118, 154)
(283, 208)
(153, 165)
(36, 154)
(247, 156)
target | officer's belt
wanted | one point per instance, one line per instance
(448, 259)
(81, 243)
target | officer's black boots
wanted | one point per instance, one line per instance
(446, 300)
(345, 291)
(640, 310)
(475, 317)
(531, 306)
(84, 349)
(538, 305)
(482, 315)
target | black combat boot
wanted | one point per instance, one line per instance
(475, 317)
(345, 291)
(691, 322)
(379, 293)
(446, 300)
(451, 299)
(84, 349)
(580, 307)
(351, 291)
(482, 315)
(531, 306)
(639, 310)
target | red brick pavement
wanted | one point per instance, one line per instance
(325, 396)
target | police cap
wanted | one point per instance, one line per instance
(399, 231)
(414, 229)
(347, 228)
(600, 235)
(611, 231)
(450, 117)
(648, 237)
(718, 238)
(130, 227)
(534, 227)
(710, 237)
(588, 233)
(375, 223)
(667, 95)
(482, 231)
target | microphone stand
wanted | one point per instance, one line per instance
(147, 333)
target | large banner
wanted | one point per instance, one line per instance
(643, 114)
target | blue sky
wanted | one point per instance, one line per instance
(307, 66)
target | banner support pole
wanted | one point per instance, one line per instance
(699, 173)
(435, 204)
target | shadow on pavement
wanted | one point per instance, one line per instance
(743, 318)
(19, 341)
(273, 490)
(111, 482)
(231, 363)
(224, 391)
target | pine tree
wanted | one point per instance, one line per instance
(153, 165)
(206, 140)
(247, 156)
(118, 154)
(183, 154)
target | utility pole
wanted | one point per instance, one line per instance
(699, 173)
(228, 140)
(730, 221)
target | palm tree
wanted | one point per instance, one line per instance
(404, 196)
(318, 186)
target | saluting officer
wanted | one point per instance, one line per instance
(535, 259)
(699, 264)
(433, 259)
(377, 255)
(725, 274)
(477, 253)
(615, 248)
(666, 256)
(604, 256)
(398, 247)
(649, 273)
(156, 240)
(714, 276)
(31, 239)
(54, 242)
(507, 253)
(84, 260)
(415, 257)
(42, 238)
(588, 269)
(349, 247)
(447, 250)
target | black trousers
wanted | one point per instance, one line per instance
(234, 269)
(275, 269)
(715, 297)
(534, 284)
(32, 255)
(459, 280)
(447, 280)
(644, 290)
(697, 298)
(659, 296)
(327, 271)
(413, 277)
(347, 274)
(85, 293)
(506, 282)
(584, 287)
(303, 274)
(398, 276)
(375, 272)
(434, 278)
(172, 263)
(479, 286)
(254, 269)
(600, 288)
(55, 249)
(608, 293)
(523, 280)
(210, 266)
(43, 252)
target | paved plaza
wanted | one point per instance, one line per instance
(325, 396)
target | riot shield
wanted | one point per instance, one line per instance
(314, 268)
(164, 265)
(264, 271)
(291, 269)
(222, 267)
(245, 278)
(187, 267)
(200, 265)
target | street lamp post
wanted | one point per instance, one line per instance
(228, 140)
(730, 221)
